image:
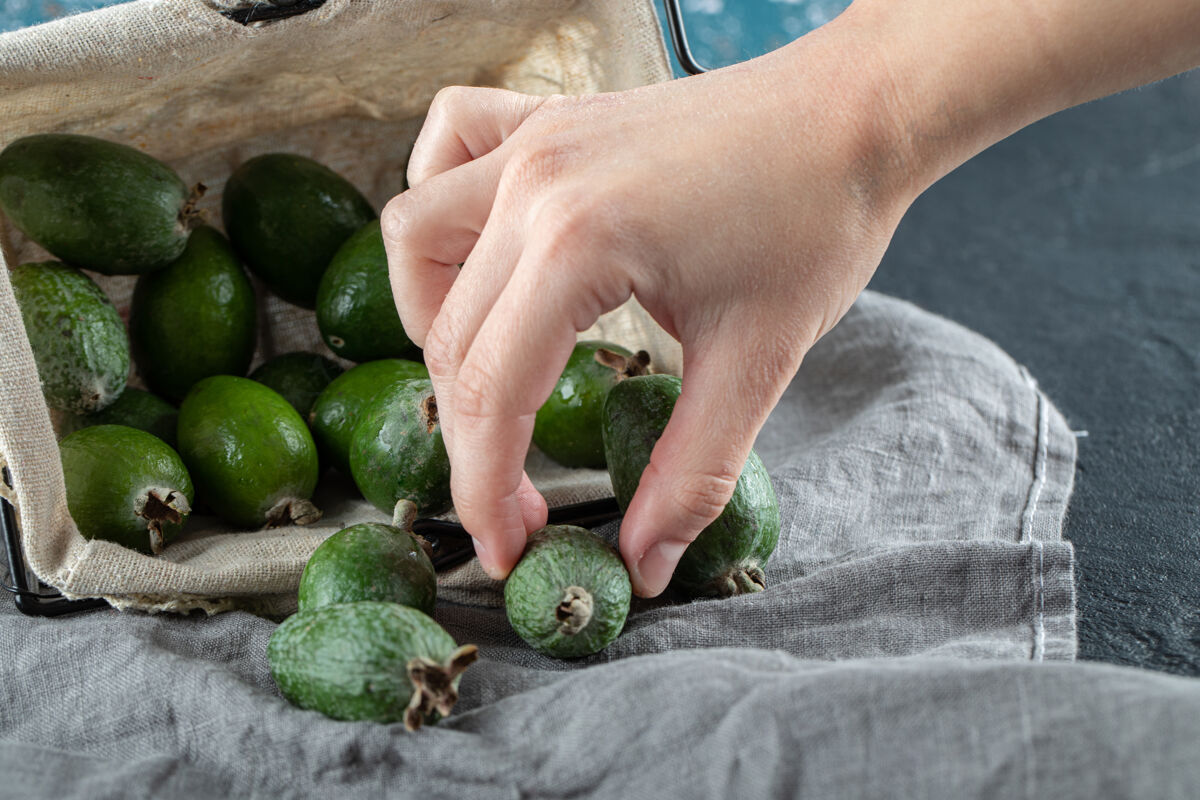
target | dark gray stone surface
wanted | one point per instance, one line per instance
(1075, 245)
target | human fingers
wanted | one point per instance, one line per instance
(512, 365)
(463, 124)
(428, 231)
(730, 386)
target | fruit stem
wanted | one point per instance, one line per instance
(574, 611)
(433, 685)
(292, 511)
(625, 366)
(739, 580)
(159, 507)
(189, 215)
(404, 514)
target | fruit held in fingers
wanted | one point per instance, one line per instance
(569, 594)
(730, 554)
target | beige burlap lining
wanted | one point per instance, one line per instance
(347, 84)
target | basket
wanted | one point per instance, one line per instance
(346, 82)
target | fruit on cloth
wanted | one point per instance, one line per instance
(137, 409)
(126, 486)
(194, 318)
(78, 340)
(286, 216)
(337, 409)
(728, 557)
(370, 660)
(569, 594)
(370, 561)
(396, 450)
(96, 204)
(299, 377)
(251, 455)
(567, 426)
(355, 310)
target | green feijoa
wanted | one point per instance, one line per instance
(396, 450)
(96, 204)
(569, 594)
(370, 660)
(286, 216)
(355, 310)
(251, 455)
(78, 340)
(126, 486)
(337, 409)
(299, 377)
(195, 318)
(138, 409)
(728, 557)
(567, 426)
(369, 561)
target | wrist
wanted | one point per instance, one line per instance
(953, 77)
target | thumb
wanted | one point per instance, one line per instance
(728, 391)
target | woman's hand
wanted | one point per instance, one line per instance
(745, 209)
(744, 214)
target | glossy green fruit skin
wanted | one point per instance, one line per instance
(138, 409)
(568, 425)
(246, 448)
(396, 450)
(93, 203)
(338, 408)
(558, 558)
(107, 469)
(79, 342)
(194, 318)
(736, 543)
(299, 377)
(286, 216)
(349, 661)
(355, 310)
(369, 561)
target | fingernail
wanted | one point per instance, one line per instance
(652, 572)
(485, 559)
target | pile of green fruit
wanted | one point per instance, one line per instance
(250, 449)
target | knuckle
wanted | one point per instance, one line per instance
(476, 393)
(575, 219)
(700, 497)
(703, 496)
(396, 221)
(442, 353)
(450, 100)
(538, 163)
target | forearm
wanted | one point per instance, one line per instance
(948, 78)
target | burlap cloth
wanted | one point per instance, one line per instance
(347, 84)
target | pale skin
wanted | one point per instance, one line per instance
(745, 209)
